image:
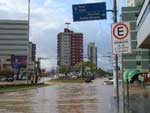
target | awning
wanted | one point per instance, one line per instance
(129, 74)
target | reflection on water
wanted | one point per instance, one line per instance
(65, 98)
(139, 103)
(79, 98)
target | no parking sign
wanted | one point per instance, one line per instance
(121, 38)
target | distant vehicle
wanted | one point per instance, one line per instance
(110, 78)
(10, 79)
(7, 79)
(88, 79)
(74, 77)
(3, 79)
(110, 81)
(61, 76)
(24, 78)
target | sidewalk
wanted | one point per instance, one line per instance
(139, 99)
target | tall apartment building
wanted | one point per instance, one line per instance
(139, 58)
(92, 53)
(133, 3)
(13, 43)
(69, 48)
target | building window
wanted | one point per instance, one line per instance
(8, 59)
(138, 63)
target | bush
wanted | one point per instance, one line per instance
(6, 72)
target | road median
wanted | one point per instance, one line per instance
(59, 81)
(18, 87)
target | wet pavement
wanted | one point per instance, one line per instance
(65, 98)
(138, 102)
(92, 97)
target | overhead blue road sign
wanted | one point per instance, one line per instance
(92, 11)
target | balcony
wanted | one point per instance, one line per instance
(143, 23)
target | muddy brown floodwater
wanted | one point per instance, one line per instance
(92, 97)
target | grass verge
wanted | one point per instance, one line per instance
(80, 80)
(17, 87)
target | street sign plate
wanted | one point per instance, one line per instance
(121, 37)
(92, 11)
(16, 66)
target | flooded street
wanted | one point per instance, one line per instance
(64, 98)
(95, 97)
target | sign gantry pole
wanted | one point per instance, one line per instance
(116, 87)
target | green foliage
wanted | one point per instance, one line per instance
(80, 80)
(64, 69)
(89, 64)
(85, 66)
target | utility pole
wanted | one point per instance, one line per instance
(28, 42)
(116, 87)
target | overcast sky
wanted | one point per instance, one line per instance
(48, 18)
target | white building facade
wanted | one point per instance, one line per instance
(133, 3)
(143, 25)
(13, 42)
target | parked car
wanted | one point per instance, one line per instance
(61, 76)
(2, 79)
(7, 79)
(88, 79)
(74, 77)
(10, 79)
(23, 78)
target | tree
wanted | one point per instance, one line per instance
(77, 67)
(64, 69)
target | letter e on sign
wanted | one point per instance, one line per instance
(120, 31)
